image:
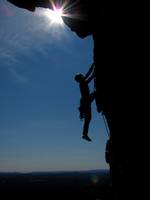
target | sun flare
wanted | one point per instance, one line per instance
(58, 11)
(55, 15)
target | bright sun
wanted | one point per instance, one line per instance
(55, 15)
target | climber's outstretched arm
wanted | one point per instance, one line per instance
(90, 71)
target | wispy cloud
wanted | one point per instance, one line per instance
(21, 35)
(9, 56)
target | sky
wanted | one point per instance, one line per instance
(40, 129)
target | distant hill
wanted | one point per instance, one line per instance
(89, 184)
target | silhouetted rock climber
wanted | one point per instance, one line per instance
(87, 98)
(85, 102)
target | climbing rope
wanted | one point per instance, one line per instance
(106, 125)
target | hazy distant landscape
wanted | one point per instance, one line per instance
(93, 184)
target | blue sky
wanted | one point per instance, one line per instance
(40, 129)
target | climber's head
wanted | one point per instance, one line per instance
(79, 77)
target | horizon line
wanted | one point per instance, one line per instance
(54, 171)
